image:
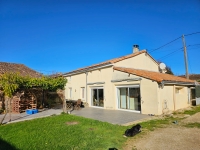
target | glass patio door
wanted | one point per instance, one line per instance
(98, 97)
(129, 98)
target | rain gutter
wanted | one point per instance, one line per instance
(128, 79)
(95, 83)
(87, 70)
(177, 83)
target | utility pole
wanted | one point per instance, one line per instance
(185, 57)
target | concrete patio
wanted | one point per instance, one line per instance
(111, 116)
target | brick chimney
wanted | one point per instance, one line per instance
(135, 48)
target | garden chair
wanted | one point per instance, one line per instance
(78, 104)
(68, 105)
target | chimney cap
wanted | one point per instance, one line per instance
(136, 46)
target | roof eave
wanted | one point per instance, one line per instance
(87, 70)
(152, 58)
(178, 83)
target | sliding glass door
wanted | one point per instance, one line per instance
(129, 98)
(98, 97)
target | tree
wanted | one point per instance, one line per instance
(169, 71)
(10, 83)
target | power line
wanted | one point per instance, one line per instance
(193, 45)
(168, 50)
(168, 55)
(191, 33)
(171, 53)
(172, 41)
(193, 48)
(165, 44)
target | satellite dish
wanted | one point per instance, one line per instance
(162, 66)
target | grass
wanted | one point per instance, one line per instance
(193, 125)
(193, 111)
(159, 123)
(54, 133)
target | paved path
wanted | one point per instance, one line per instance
(111, 116)
(24, 116)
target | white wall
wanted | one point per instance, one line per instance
(142, 61)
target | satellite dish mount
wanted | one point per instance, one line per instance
(162, 67)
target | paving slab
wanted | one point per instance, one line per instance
(112, 116)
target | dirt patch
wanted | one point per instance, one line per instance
(192, 119)
(174, 136)
(91, 129)
(72, 123)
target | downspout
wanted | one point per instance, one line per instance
(86, 74)
(189, 91)
(174, 97)
(141, 101)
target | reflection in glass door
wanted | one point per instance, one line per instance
(129, 98)
(98, 97)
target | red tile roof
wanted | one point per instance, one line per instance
(192, 76)
(112, 61)
(18, 68)
(156, 76)
(126, 57)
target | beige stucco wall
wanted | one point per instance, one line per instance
(142, 61)
(149, 95)
(117, 75)
(181, 98)
(102, 75)
(170, 100)
(79, 80)
(148, 90)
(75, 82)
(166, 99)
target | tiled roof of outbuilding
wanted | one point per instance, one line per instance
(193, 76)
(18, 68)
(155, 76)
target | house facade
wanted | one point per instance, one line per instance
(129, 83)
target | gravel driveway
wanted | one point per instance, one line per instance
(173, 137)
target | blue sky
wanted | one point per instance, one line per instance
(53, 36)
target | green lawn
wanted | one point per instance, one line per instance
(53, 133)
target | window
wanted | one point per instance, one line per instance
(70, 92)
(97, 96)
(82, 92)
(70, 78)
(129, 98)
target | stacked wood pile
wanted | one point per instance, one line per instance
(23, 101)
(31, 99)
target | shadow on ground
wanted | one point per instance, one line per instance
(7, 146)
